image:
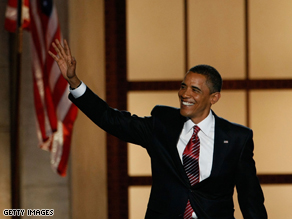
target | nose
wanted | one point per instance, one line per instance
(185, 93)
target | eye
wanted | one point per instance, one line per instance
(196, 90)
(182, 86)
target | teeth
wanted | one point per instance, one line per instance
(187, 103)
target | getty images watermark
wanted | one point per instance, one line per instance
(29, 212)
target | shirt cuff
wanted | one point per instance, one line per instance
(79, 91)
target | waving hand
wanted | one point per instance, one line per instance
(66, 62)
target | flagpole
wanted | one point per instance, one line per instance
(16, 48)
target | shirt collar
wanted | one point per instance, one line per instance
(205, 125)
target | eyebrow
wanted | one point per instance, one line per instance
(193, 87)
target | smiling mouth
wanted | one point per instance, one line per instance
(187, 103)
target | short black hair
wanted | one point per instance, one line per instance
(214, 79)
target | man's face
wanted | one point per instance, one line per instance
(195, 98)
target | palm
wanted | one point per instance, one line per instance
(65, 61)
(63, 66)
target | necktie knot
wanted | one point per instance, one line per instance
(196, 129)
(195, 134)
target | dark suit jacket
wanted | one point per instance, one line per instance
(233, 163)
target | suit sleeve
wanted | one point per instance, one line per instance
(121, 124)
(250, 195)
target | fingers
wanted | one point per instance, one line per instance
(59, 49)
(67, 48)
(63, 52)
(53, 56)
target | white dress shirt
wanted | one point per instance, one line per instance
(79, 91)
(206, 136)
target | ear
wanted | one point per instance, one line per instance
(215, 97)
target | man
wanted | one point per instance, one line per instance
(197, 158)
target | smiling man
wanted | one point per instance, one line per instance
(197, 158)
(199, 90)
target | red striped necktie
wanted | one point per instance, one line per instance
(191, 165)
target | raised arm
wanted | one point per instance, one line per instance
(66, 63)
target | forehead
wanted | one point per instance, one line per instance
(192, 77)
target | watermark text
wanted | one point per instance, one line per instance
(29, 212)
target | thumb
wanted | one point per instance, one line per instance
(73, 61)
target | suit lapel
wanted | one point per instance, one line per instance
(174, 134)
(221, 145)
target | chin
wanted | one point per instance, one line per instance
(183, 113)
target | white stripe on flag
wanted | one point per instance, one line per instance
(64, 105)
(57, 146)
(52, 28)
(54, 76)
(11, 13)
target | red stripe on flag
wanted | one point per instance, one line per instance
(67, 130)
(39, 111)
(60, 87)
(50, 60)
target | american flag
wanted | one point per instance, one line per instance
(55, 114)
(11, 15)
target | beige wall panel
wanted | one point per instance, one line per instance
(270, 116)
(232, 106)
(88, 156)
(138, 200)
(270, 39)
(278, 200)
(216, 36)
(155, 40)
(141, 104)
(139, 163)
